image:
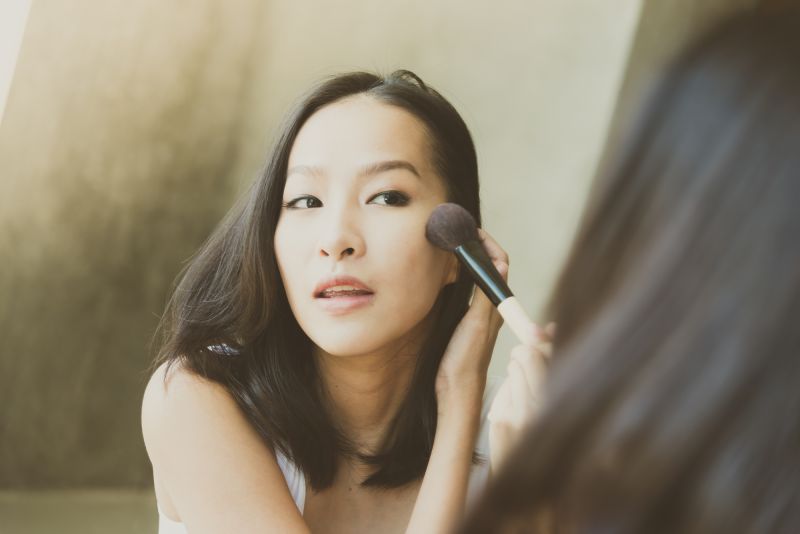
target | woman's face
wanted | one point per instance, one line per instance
(359, 273)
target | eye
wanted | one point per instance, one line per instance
(303, 202)
(390, 198)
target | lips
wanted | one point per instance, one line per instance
(342, 294)
(342, 291)
(341, 286)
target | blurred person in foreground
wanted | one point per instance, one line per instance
(673, 400)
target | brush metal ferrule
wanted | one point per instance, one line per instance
(483, 271)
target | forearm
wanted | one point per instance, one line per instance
(441, 498)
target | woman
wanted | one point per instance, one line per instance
(322, 367)
(673, 404)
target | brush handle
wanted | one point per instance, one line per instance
(515, 317)
(483, 271)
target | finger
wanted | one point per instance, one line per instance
(520, 398)
(482, 309)
(550, 330)
(532, 334)
(531, 362)
(541, 341)
(501, 405)
(495, 252)
(545, 350)
(502, 268)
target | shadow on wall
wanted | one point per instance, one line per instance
(115, 151)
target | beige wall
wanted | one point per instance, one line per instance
(13, 15)
(130, 127)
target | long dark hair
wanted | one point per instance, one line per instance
(673, 403)
(229, 319)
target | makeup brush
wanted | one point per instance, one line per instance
(452, 228)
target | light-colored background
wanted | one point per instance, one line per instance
(130, 127)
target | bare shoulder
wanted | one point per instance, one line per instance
(217, 470)
(178, 403)
(174, 391)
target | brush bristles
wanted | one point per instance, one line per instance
(450, 226)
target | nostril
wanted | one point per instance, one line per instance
(346, 252)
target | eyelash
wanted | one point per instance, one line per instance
(292, 204)
(402, 200)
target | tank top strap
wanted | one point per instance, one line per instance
(294, 479)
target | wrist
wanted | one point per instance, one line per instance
(464, 385)
(461, 401)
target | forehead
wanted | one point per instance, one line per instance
(359, 130)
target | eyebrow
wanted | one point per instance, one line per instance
(367, 170)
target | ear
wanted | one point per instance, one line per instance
(452, 269)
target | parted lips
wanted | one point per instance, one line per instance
(450, 226)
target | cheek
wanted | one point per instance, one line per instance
(415, 268)
(417, 284)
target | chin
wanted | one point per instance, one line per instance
(363, 332)
(344, 345)
(351, 341)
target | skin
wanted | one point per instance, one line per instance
(212, 472)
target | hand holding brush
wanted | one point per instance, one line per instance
(453, 228)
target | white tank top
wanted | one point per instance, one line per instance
(479, 474)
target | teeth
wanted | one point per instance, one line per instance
(342, 288)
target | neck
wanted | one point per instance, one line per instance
(366, 391)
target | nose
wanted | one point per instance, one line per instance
(341, 236)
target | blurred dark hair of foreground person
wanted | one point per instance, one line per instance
(673, 403)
